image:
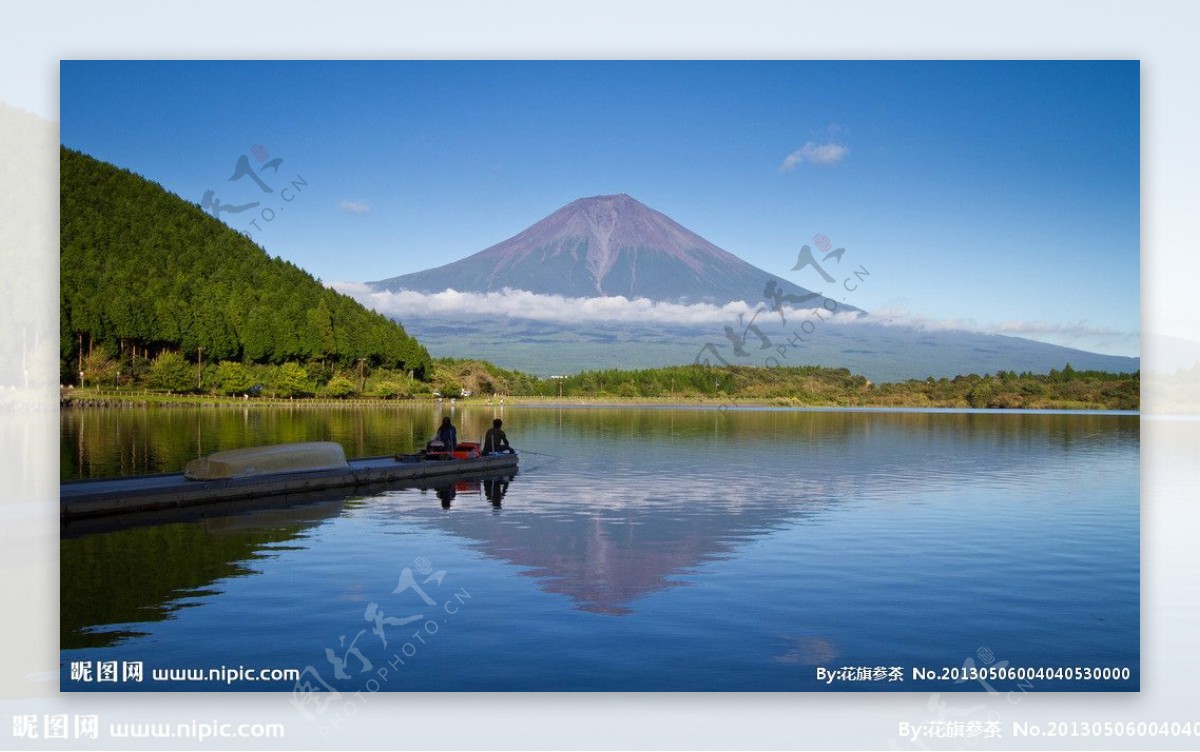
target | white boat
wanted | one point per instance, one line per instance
(268, 460)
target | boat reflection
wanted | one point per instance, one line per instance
(493, 489)
(447, 494)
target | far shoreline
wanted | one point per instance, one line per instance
(771, 405)
(91, 398)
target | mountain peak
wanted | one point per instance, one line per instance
(602, 246)
(611, 197)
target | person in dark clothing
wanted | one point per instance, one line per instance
(494, 441)
(447, 434)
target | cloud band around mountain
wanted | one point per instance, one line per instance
(538, 307)
(1080, 334)
(523, 304)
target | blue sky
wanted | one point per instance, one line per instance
(1000, 195)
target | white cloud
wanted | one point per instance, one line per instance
(354, 207)
(1078, 334)
(522, 304)
(1081, 328)
(527, 305)
(814, 153)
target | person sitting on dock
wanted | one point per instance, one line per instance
(494, 441)
(447, 434)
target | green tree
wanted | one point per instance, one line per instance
(388, 387)
(232, 378)
(291, 380)
(170, 371)
(319, 338)
(339, 386)
(99, 369)
(447, 385)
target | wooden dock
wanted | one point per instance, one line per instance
(142, 493)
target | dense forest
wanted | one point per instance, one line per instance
(150, 281)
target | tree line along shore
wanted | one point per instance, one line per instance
(171, 379)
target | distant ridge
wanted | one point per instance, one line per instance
(604, 246)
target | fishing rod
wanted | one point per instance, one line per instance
(539, 454)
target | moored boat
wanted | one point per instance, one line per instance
(463, 450)
(268, 460)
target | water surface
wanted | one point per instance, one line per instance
(637, 549)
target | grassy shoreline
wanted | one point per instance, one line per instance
(86, 397)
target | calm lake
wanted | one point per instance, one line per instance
(636, 549)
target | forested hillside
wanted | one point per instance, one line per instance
(144, 272)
